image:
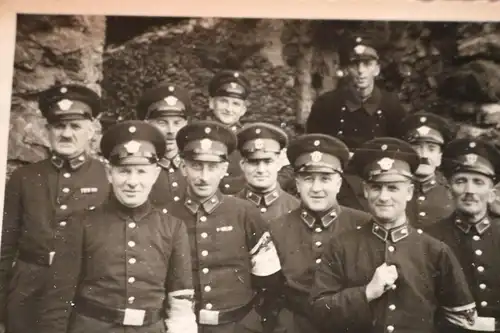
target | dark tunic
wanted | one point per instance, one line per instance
(127, 258)
(300, 237)
(226, 236)
(39, 200)
(271, 205)
(431, 202)
(476, 247)
(170, 185)
(429, 277)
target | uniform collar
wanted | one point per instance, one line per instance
(258, 198)
(311, 218)
(395, 234)
(73, 163)
(353, 102)
(428, 184)
(167, 163)
(208, 205)
(480, 227)
(136, 213)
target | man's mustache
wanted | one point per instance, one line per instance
(425, 160)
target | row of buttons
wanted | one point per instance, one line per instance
(131, 261)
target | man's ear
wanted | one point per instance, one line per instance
(224, 168)
(108, 167)
(211, 103)
(182, 166)
(411, 189)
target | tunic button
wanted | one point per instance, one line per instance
(479, 252)
(208, 288)
(131, 243)
(165, 211)
(208, 306)
(391, 248)
(318, 260)
(176, 198)
(317, 229)
(67, 175)
(390, 328)
(482, 286)
(263, 210)
(131, 299)
(204, 235)
(171, 170)
(419, 231)
(318, 243)
(205, 270)
(226, 186)
(132, 261)
(393, 287)
(421, 198)
(63, 207)
(65, 190)
(131, 279)
(340, 132)
(131, 225)
(204, 253)
(423, 213)
(392, 307)
(476, 238)
(62, 223)
(341, 120)
(480, 269)
(203, 218)
(484, 304)
(174, 184)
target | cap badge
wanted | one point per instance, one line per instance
(206, 144)
(316, 143)
(470, 159)
(386, 163)
(171, 88)
(359, 49)
(257, 131)
(423, 119)
(132, 147)
(316, 156)
(65, 104)
(171, 100)
(236, 74)
(424, 130)
(132, 129)
(208, 130)
(259, 144)
(383, 147)
(64, 90)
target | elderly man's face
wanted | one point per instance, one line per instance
(70, 138)
(472, 192)
(132, 183)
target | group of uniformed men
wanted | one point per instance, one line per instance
(184, 227)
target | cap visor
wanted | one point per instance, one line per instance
(389, 178)
(317, 169)
(205, 158)
(261, 155)
(68, 117)
(132, 160)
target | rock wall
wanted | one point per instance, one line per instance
(49, 50)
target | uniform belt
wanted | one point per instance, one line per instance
(125, 317)
(40, 259)
(218, 317)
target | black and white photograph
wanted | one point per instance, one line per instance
(251, 174)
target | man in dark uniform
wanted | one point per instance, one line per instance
(388, 276)
(260, 145)
(356, 111)
(431, 202)
(39, 200)
(472, 167)
(232, 253)
(167, 107)
(300, 235)
(228, 91)
(134, 269)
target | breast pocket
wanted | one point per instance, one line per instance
(230, 241)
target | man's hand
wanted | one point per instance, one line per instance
(2, 328)
(383, 279)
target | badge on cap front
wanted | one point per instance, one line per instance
(132, 147)
(171, 100)
(65, 104)
(259, 144)
(470, 159)
(206, 144)
(423, 130)
(316, 156)
(385, 163)
(359, 49)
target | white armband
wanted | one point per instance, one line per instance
(180, 316)
(265, 260)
